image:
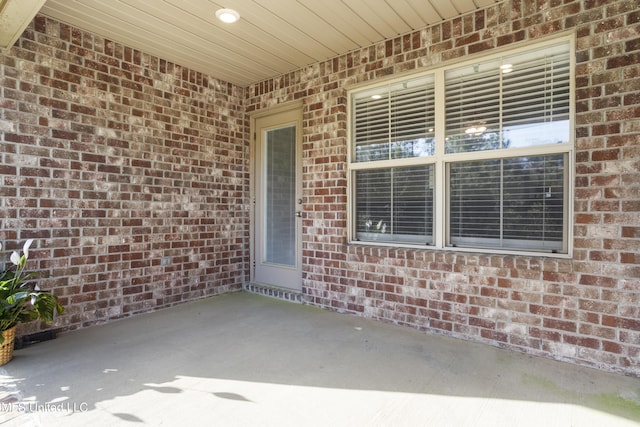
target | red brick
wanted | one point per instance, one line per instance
(547, 335)
(591, 280)
(631, 232)
(558, 324)
(630, 258)
(621, 322)
(545, 311)
(605, 155)
(612, 347)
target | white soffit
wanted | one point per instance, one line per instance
(271, 38)
(15, 15)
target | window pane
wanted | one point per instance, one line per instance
(394, 121)
(534, 199)
(473, 108)
(395, 205)
(413, 203)
(373, 203)
(515, 101)
(279, 222)
(536, 98)
(508, 203)
(474, 203)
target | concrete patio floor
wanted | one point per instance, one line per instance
(246, 360)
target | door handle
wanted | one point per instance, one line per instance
(299, 214)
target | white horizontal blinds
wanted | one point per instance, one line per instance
(508, 203)
(472, 109)
(394, 121)
(412, 119)
(474, 201)
(395, 204)
(373, 203)
(536, 97)
(516, 101)
(534, 200)
(371, 126)
(413, 204)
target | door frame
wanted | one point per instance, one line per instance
(290, 108)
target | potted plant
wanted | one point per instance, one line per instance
(21, 301)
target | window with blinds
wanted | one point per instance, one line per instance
(515, 203)
(514, 101)
(498, 176)
(394, 121)
(395, 204)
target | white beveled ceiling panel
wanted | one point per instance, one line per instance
(273, 37)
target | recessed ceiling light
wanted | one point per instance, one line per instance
(228, 16)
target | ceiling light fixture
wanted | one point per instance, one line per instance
(228, 16)
(506, 68)
(475, 131)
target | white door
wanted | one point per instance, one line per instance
(277, 249)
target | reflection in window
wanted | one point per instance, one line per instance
(490, 106)
(395, 121)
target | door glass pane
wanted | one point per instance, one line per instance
(280, 174)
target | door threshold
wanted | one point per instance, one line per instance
(274, 292)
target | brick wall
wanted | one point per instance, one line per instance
(585, 310)
(129, 172)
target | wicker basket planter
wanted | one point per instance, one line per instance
(6, 348)
(22, 300)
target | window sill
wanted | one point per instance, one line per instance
(481, 251)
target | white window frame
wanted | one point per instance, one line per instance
(440, 160)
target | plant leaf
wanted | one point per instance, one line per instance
(17, 297)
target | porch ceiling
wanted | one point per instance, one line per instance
(273, 37)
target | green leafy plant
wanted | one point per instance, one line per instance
(20, 299)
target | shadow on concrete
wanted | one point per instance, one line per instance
(238, 359)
